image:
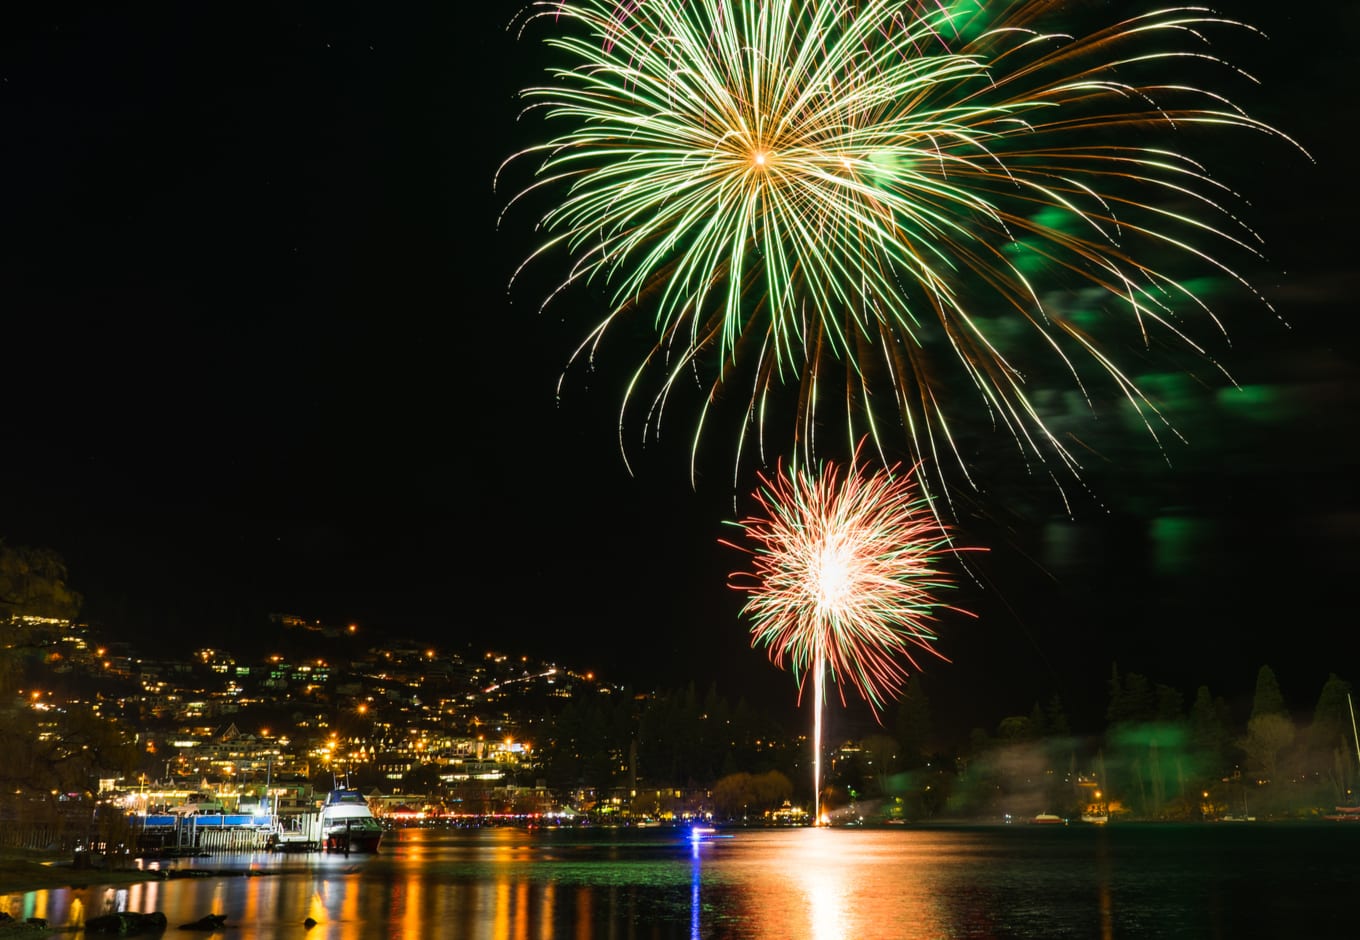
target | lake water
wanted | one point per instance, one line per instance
(1243, 880)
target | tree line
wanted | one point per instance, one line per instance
(1156, 757)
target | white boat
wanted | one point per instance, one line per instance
(198, 804)
(347, 824)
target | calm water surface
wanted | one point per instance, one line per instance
(1041, 882)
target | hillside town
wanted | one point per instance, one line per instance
(426, 733)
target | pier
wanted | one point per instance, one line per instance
(186, 833)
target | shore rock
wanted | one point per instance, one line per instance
(11, 929)
(206, 922)
(126, 923)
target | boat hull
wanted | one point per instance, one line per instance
(353, 840)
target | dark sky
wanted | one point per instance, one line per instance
(260, 356)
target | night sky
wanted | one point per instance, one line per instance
(259, 355)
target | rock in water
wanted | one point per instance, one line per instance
(206, 922)
(126, 923)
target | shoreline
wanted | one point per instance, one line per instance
(21, 872)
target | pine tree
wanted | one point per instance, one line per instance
(1269, 700)
(915, 731)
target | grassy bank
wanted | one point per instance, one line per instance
(22, 871)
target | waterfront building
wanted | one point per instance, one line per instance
(230, 754)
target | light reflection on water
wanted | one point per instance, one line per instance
(865, 885)
(799, 884)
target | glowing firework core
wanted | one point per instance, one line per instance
(833, 577)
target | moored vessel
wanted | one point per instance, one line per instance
(347, 824)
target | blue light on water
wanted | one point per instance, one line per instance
(698, 834)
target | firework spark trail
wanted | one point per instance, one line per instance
(845, 573)
(886, 187)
